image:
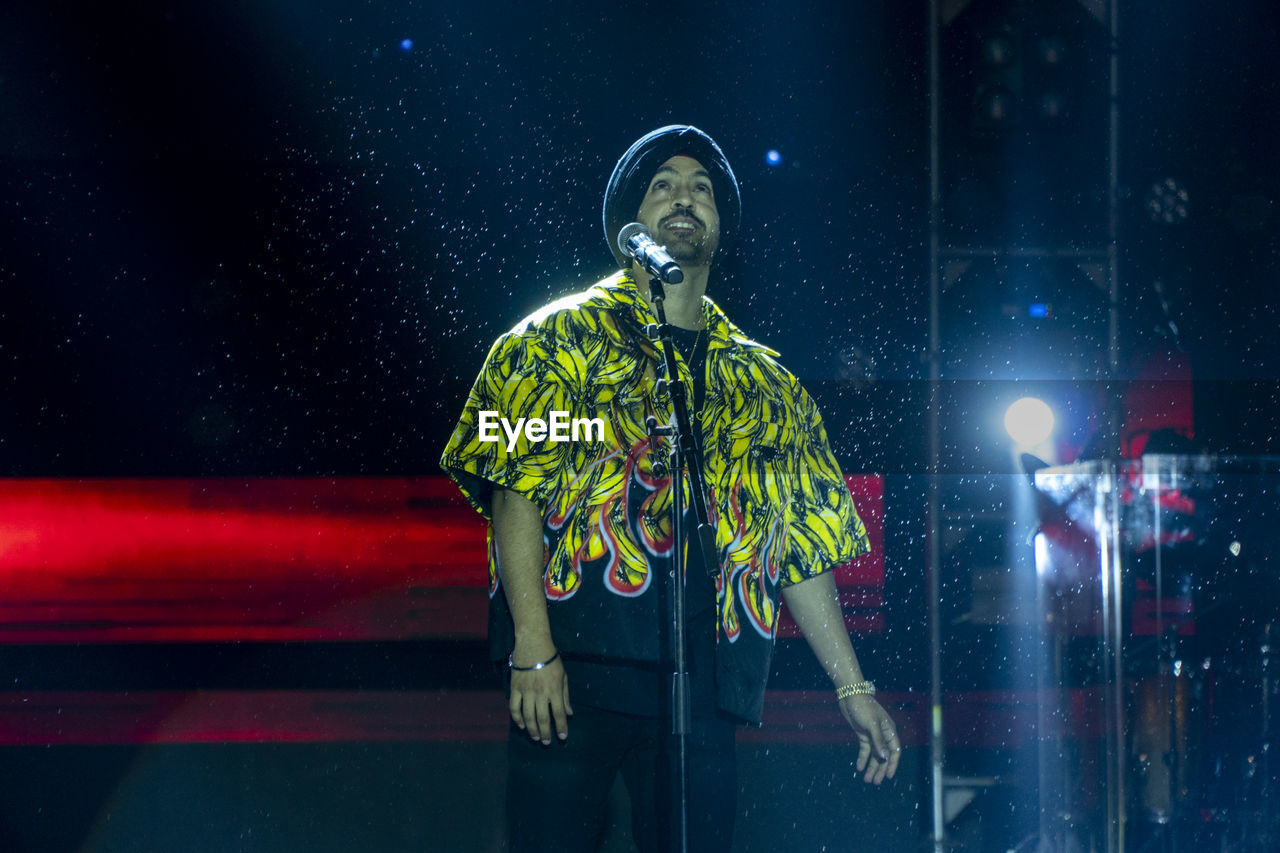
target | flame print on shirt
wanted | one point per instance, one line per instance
(750, 562)
(492, 542)
(611, 519)
(564, 577)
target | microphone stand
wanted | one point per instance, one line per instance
(685, 459)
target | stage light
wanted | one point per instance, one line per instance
(996, 106)
(999, 80)
(1053, 106)
(1039, 309)
(1051, 50)
(773, 157)
(406, 45)
(1040, 546)
(999, 50)
(1029, 421)
(1168, 202)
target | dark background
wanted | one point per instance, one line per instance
(269, 238)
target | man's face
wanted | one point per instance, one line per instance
(679, 210)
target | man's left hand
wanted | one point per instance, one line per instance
(878, 746)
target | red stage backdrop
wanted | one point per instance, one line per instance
(161, 560)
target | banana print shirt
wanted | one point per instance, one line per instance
(778, 502)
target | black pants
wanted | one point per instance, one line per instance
(557, 795)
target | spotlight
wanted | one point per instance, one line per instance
(773, 157)
(1053, 106)
(998, 83)
(999, 50)
(1051, 50)
(406, 45)
(1168, 202)
(996, 106)
(1029, 422)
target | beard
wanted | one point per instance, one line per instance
(696, 249)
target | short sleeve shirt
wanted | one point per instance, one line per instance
(586, 369)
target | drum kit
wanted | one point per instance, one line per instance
(1161, 599)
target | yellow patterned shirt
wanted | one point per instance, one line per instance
(778, 502)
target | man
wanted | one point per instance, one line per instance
(581, 536)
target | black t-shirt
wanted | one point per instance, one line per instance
(701, 585)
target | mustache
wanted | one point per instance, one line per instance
(683, 214)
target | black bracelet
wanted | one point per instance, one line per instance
(512, 664)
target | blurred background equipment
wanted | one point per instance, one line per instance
(1160, 599)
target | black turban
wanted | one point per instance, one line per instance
(630, 181)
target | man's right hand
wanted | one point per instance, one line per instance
(540, 697)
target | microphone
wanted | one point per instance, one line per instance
(635, 241)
